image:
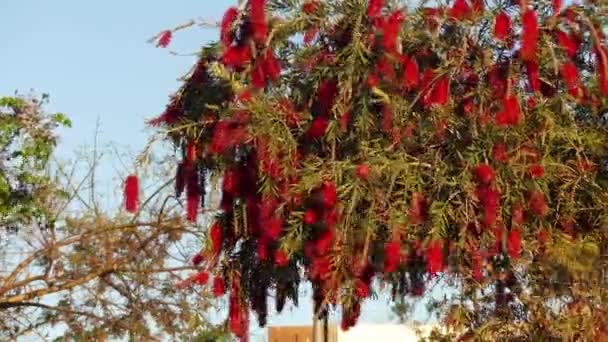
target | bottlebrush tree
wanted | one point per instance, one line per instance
(363, 141)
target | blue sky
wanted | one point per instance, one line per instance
(93, 60)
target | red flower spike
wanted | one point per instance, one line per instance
(434, 257)
(215, 234)
(310, 7)
(477, 266)
(318, 127)
(280, 258)
(517, 215)
(362, 171)
(510, 115)
(392, 256)
(514, 243)
(502, 26)
(538, 204)
(226, 28)
(191, 152)
(441, 92)
(262, 251)
(557, 7)
(325, 242)
(202, 278)
(529, 35)
(533, 75)
(361, 289)
(536, 171)
(568, 43)
(131, 193)
(374, 8)
(490, 202)
(329, 194)
(257, 16)
(236, 56)
(387, 119)
(274, 228)
(197, 259)
(485, 173)
(258, 76)
(411, 74)
(499, 153)
(460, 10)
(219, 288)
(164, 39)
(391, 31)
(271, 66)
(602, 68)
(372, 80)
(310, 217)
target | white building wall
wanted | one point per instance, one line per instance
(381, 333)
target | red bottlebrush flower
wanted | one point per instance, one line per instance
(568, 43)
(502, 26)
(281, 258)
(215, 234)
(262, 251)
(510, 115)
(372, 80)
(602, 68)
(226, 135)
(310, 217)
(318, 127)
(230, 183)
(197, 259)
(374, 8)
(485, 173)
(538, 204)
(392, 256)
(193, 195)
(497, 81)
(490, 201)
(517, 215)
(191, 152)
(324, 243)
(477, 264)
(533, 75)
(362, 171)
(411, 74)
(310, 7)
(460, 10)
(219, 288)
(258, 77)
(557, 7)
(344, 121)
(529, 35)
(164, 38)
(391, 31)
(418, 212)
(320, 268)
(441, 92)
(272, 68)
(570, 75)
(385, 68)
(536, 171)
(257, 15)
(131, 193)
(361, 289)
(226, 28)
(499, 153)
(329, 194)
(274, 228)
(498, 233)
(202, 277)
(434, 257)
(331, 217)
(236, 56)
(514, 243)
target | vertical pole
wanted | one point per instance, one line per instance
(320, 329)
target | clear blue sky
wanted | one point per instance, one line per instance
(93, 59)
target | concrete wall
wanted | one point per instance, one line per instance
(381, 333)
